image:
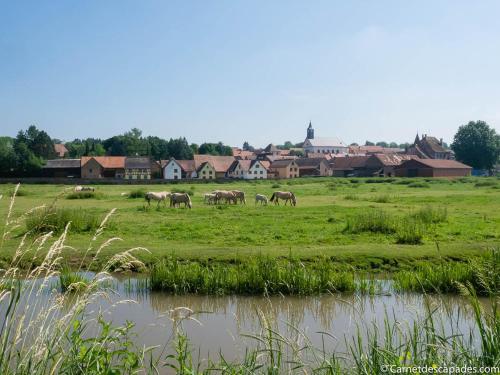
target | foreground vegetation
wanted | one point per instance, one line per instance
(64, 335)
(375, 225)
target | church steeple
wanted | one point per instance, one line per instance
(310, 131)
(417, 139)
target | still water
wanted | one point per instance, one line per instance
(221, 324)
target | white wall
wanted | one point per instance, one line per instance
(172, 171)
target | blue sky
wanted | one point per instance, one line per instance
(249, 70)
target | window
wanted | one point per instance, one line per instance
(176, 170)
(261, 172)
(90, 170)
(204, 172)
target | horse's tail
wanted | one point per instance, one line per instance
(272, 197)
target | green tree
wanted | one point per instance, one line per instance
(477, 145)
(382, 144)
(180, 149)
(368, 143)
(7, 157)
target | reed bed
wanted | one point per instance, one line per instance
(260, 275)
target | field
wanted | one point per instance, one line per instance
(370, 224)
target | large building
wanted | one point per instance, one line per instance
(316, 145)
(429, 148)
(432, 168)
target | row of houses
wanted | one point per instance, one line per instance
(208, 167)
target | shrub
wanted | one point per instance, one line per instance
(419, 185)
(275, 186)
(376, 221)
(20, 192)
(55, 219)
(137, 193)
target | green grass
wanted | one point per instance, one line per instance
(464, 220)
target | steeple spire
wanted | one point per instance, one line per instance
(310, 131)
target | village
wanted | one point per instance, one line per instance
(318, 156)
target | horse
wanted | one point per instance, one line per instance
(229, 196)
(209, 198)
(177, 198)
(286, 195)
(83, 188)
(239, 195)
(261, 198)
(157, 196)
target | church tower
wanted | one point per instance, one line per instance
(310, 131)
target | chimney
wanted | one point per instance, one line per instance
(440, 141)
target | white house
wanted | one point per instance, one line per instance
(248, 169)
(178, 169)
(323, 145)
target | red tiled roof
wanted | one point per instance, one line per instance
(348, 162)
(392, 159)
(60, 149)
(220, 163)
(107, 162)
(442, 164)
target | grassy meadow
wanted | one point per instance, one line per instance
(370, 224)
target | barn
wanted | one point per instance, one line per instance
(432, 168)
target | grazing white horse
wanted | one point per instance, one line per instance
(239, 195)
(229, 196)
(177, 198)
(210, 198)
(83, 188)
(157, 196)
(288, 196)
(261, 198)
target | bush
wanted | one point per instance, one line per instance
(55, 219)
(275, 186)
(20, 192)
(382, 199)
(376, 221)
(418, 185)
(137, 193)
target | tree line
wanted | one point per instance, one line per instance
(24, 155)
(475, 144)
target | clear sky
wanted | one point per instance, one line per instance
(255, 70)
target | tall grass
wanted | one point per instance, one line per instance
(431, 215)
(55, 219)
(375, 221)
(85, 195)
(137, 193)
(260, 275)
(55, 334)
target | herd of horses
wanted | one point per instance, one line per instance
(215, 197)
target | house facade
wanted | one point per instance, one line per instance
(138, 169)
(218, 164)
(206, 171)
(284, 168)
(94, 167)
(62, 168)
(313, 167)
(248, 170)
